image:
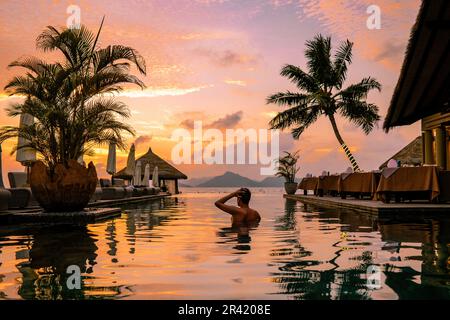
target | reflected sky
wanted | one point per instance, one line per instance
(184, 248)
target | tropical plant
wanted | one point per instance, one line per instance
(287, 166)
(71, 100)
(321, 93)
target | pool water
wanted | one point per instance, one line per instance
(184, 248)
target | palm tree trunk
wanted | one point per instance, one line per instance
(343, 145)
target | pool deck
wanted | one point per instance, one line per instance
(374, 208)
(96, 211)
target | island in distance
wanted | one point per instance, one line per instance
(230, 179)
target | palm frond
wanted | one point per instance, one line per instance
(361, 113)
(359, 90)
(299, 115)
(342, 58)
(300, 78)
(318, 55)
(288, 98)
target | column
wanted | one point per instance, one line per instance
(428, 147)
(441, 148)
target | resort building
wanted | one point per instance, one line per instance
(168, 175)
(423, 88)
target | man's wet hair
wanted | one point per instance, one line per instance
(245, 195)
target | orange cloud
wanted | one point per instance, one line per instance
(240, 83)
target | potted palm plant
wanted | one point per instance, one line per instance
(73, 112)
(287, 168)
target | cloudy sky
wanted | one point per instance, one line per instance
(217, 61)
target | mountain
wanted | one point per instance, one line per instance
(229, 179)
(272, 182)
(184, 185)
(194, 182)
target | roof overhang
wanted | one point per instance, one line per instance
(423, 88)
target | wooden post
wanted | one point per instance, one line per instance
(428, 147)
(441, 148)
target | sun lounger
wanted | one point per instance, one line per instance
(5, 196)
(21, 195)
(119, 183)
(138, 192)
(111, 193)
(97, 195)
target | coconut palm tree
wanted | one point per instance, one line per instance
(70, 100)
(74, 111)
(321, 93)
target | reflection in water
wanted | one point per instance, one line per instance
(304, 278)
(53, 250)
(182, 247)
(239, 234)
(298, 277)
(433, 239)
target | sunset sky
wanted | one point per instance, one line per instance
(218, 60)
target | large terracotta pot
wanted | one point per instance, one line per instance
(70, 188)
(290, 187)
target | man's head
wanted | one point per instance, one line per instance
(244, 197)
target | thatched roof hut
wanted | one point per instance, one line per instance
(166, 171)
(422, 88)
(409, 155)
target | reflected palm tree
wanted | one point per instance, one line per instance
(296, 276)
(112, 240)
(54, 249)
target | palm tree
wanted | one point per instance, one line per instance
(321, 93)
(70, 100)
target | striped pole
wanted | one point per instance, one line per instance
(350, 157)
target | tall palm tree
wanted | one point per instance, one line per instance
(321, 93)
(70, 100)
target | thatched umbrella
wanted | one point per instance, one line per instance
(80, 160)
(111, 162)
(25, 155)
(128, 172)
(138, 174)
(1, 172)
(410, 155)
(155, 177)
(146, 180)
(166, 171)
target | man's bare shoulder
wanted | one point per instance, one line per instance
(253, 214)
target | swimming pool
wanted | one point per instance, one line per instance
(184, 248)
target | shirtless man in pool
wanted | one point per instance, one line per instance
(242, 213)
